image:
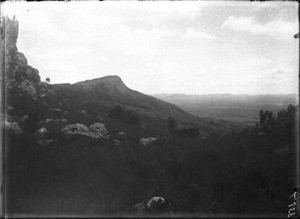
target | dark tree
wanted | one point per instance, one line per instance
(171, 123)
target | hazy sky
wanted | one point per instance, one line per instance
(164, 47)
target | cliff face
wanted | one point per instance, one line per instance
(19, 76)
(21, 84)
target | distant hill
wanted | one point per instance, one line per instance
(237, 108)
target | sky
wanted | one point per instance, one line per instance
(188, 47)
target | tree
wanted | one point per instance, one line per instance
(171, 123)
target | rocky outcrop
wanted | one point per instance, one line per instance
(28, 88)
(99, 128)
(147, 141)
(117, 142)
(121, 134)
(96, 130)
(11, 126)
(154, 205)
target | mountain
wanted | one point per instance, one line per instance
(90, 101)
(102, 94)
(238, 108)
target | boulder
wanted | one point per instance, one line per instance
(99, 117)
(99, 128)
(32, 74)
(21, 59)
(117, 142)
(42, 130)
(75, 128)
(24, 118)
(28, 88)
(10, 109)
(121, 134)
(56, 121)
(84, 112)
(154, 205)
(7, 118)
(140, 207)
(12, 127)
(147, 141)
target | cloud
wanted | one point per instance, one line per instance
(191, 33)
(276, 28)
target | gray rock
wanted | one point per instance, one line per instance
(28, 88)
(155, 203)
(121, 134)
(42, 130)
(117, 142)
(10, 109)
(21, 58)
(12, 127)
(24, 118)
(99, 128)
(147, 141)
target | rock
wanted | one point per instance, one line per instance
(140, 207)
(121, 134)
(147, 141)
(65, 113)
(43, 95)
(55, 112)
(84, 112)
(7, 118)
(63, 121)
(21, 59)
(117, 142)
(33, 75)
(282, 151)
(76, 127)
(97, 130)
(42, 130)
(13, 127)
(24, 118)
(10, 109)
(156, 204)
(99, 117)
(28, 88)
(99, 127)
(49, 141)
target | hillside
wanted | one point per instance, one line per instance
(102, 94)
(238, 108)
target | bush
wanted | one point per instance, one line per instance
(123, 115)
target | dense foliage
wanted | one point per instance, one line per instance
(123, 115)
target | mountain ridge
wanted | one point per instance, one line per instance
(106, 92)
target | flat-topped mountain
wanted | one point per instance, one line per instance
(102, 94)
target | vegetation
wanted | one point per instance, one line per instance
(234, 174)
(122, 115)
